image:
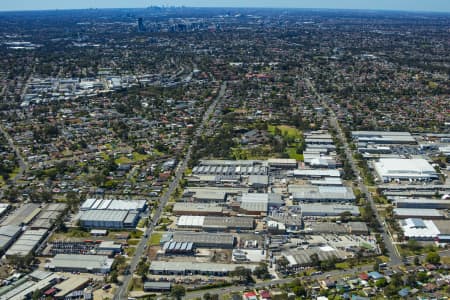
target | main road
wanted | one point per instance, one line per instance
(393, 252)
(336, 274)
(22, 164)
(122, 291)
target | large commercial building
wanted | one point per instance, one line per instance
(205, 240)
(8, 234)
(358, 228)
(315, 173)
(231, 167)
(259, 203)
(422, 203)
(341, 194)
(404, 169)
(300, 258)
(48, 215)
(27, 243)
(23, 215)
(282, 163)
(383, 137)
(428, 214)
(109, 204)
(327, 210)
(81, 263)
(418, 229)
(319, 139)
(109, 219)
(209, 223)
(193, 268)
(198, 209)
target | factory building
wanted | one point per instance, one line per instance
(427, 214)
(282, 163)
(27, 243)
(8, 234)
(231, 167)
(422, 203)
(209, 223)
(390, 169)
(198, 209)
(322, 194)
(418, 229)
(383, 137)
(193, 268)
(301, 258)
(81, 263)
(108, 204)
(327, 210)
(315, 173)
(203, 240)
(178, 248)
(259, 203)
(108, 219)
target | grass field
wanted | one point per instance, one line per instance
(139, 157)
(262, 152)
(289, 131)
(155, 238)
(123, 160)
(445, 260)
(293, 153)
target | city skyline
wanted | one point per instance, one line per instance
(405, 5)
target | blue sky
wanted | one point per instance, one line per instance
(423, 5)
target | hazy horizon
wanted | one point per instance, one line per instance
(403, 5)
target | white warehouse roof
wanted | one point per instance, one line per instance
(391, 168)
(419, 229)
(108, 204)
(191, 221)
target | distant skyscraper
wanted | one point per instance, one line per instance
(141, 27)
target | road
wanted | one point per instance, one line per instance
(332, 274)
(22, 164)
(393, 252)
(240, 288)
(122, 291)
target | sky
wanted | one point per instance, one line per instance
(410, 5)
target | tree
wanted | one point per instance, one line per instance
(417, 261)
(345, 216)
(413, 245)
(207, 296)
(244, 274)
(422, 277)
(433, 258)
(261, 271)
(72, 200)
(315, 260)
(178, 291)
(376, 264)
(36, 295)
(299, 291)
(282, 262)
(381, 283)
(113, 276)
(142, 269)
(21, 262)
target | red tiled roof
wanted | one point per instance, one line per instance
(364, 276)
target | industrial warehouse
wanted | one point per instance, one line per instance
(405, 169)
(117, 214)
(107, 219)
(210, 223)
(191, 268)
(202, 240)
(81, 263)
